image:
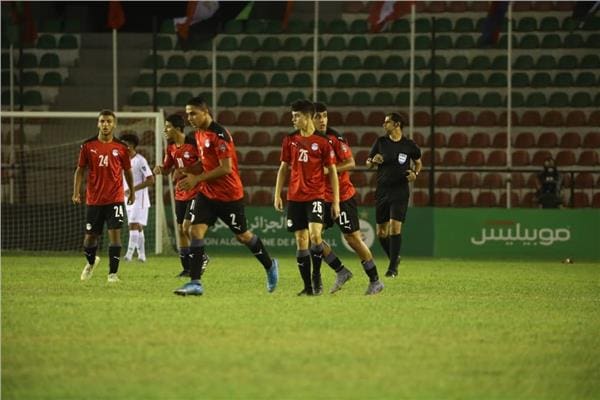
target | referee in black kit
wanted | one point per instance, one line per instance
(392, 154)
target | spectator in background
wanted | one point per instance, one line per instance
(137, 213)
(549, 181)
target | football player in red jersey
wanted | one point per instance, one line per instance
(181, 155)
(106, 159)
(306, 154)
(348, 221)
(221, 196)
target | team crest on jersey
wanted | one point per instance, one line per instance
(402, 158)
(186, 154)
(222, 148)
(314, 147)
(207, 143)
(344, 148)
(289, 223)
(115, 152)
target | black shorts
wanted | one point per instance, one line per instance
(301, 213)
(206, 211)
(348, 219)
(96, 216)
(182, 209)
(390, 209)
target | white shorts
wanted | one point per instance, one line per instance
(137, 215)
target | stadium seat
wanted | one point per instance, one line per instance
(514, 200)
(480, 140)
(442, 199)
(464, 118)
(189, 80)
(463, 199)
(470, 99)
(254, 157)
(588, 158)
(226, 118)
(335, 118)
(421, 118)
(249, 44)
(570, 140)
(247, 118)
(581, 99)
(351, 138)
(446, 180)
(287, 63)
(574, 41)
(48, 60)
(539, 157)
(164, 43)
(580, 200)
(475, 158)
(420, 198)
(568, 62)
(520, 79)
(358, 43)
(469, 180)
(359, 179)
(576, 118)
(453, 80)
(257, 80)
(443, 118)
(486, 199)
(241, 138)
(520, 158)
(475, 80)
(525, 140)
(51, 78)
(373, 62)
(352, 62)
(551, 41)
(139, 99)
(169, 79)
(355, 118)
(439, 140)
(517, 180)
(553, 118)
(452, 158)
(531, 118)
(564, 79)
(368, 138)
(242, 62)
(268, 118)
(589, 61)
(546, 62)
(584, 180)
(547, 140)
(541, 80)
(235, 79)
(164, 99)
(176, 61)
(361, 98)
(500, 140)
(594, 119)
(458, 140)
(227, 99)
(271, 44)
(465, 42)
(558, 99)
(249, 177)
(273, 99)
(262, 198)
(260, 139)
(181, 98)
(565, 158)
(591, 140)
(493, 180)
(535, 100)
(383, 99)
(427, 159)
(367, 80)
(486, 118)
(496, 158)
(447, 99)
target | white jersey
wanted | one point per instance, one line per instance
(140, 171)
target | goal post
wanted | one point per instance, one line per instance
(39, 156)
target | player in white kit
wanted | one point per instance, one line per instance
(137, 213)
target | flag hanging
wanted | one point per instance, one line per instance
(491, 25)
(116, 16)
(384, 12)
(196, 11)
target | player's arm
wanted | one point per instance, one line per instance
(346, 165)
(335, 189)
(281, 176)
(129, 180)
(162, 170)
(225, 168)
(149, 181)
(77, 180)
(375, 158)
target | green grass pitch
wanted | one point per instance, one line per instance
(444, 329)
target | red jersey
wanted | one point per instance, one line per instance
(105, 163)
(179, 157)
(214, 144)
(306, 156)
(342, 153)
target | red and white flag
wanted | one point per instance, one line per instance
(384, 12)
(197, 10)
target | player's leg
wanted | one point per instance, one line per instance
(297, 223)
(355, 241)
(133, 231)
(316, 211)
(183, 230)
(114, 215)
(142, 220)
(397, 216)
(93, 229)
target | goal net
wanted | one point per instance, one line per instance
(39, 156)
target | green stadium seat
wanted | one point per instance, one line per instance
(361, 99)
(298, 26)
(176, 61)
(551, 41)
(164, 43)
(541, 80)
(207, 96)
(492, 99)
(325, 79)
(257, 80)
(443, 42)
(352, 62)
(336, 43)
(439, 61)
(400, 26)
(346, 80)
(337, 26)
(250, 99)
(549, 24)
(564, 79)
(242, 62)
(286, 64)
(574, 41)
(394, 62)
(470, 99)
(279, 79)
(536, 99)
(454, 80)
(233, 27)
(520, 79)
(271, 44)
(458, 63)
(310, 43)
(227, 99)
(273, 99)
(399, 43)
(302, 80)
(586, 79)
(30, 78)
(524, 62)
(46, 41)
(402, 99)
(389, 80)
(423, 99)
(164, 99)
(366, 80)
(208, 79)
(497, 79)
(306, 63)
(191, 80)
(569, 24)
(68, 42)
(422, 43)
(593, 41)
(293, 44)
(464, 25)
(145, 80)
(198, 62)
(546, 62)
(27, 60)
(527, 42)
(265, 63)
(558, 99)
(49, 60)
(481, 63)
(590, 61)
(328, 63)
(373, 62)
(293, 96)
(475, 79)
(526, 24)
(51, 78)
(339, 99)
(235, 79)
(359, 27)
(378, 43)
(358, 43)
(500, 62)
(518, 100)
(465, 42)
(223, 62)
(567, 62)
(249, 43)
(429, 80)
(443, 25)
(152, 61)
(581, 99)
(448, 99)
(181, 98)
(168, 79)
(383, 99)
(419, 62)
(227, 43)
(591, 23)
(423, 25)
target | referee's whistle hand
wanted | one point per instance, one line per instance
(411, 176)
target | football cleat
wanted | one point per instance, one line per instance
(374, 288)
(340, 279)
(317, 284)
(190, 289)
(113, 278)
(88, 270)
(273, 276)
(306, 292)
(391, 273)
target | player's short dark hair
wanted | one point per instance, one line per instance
(397, 118)
(197, 101)
(131, 139)
(107, 112)
(304, 106)
(176, 120)
(320, 107)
